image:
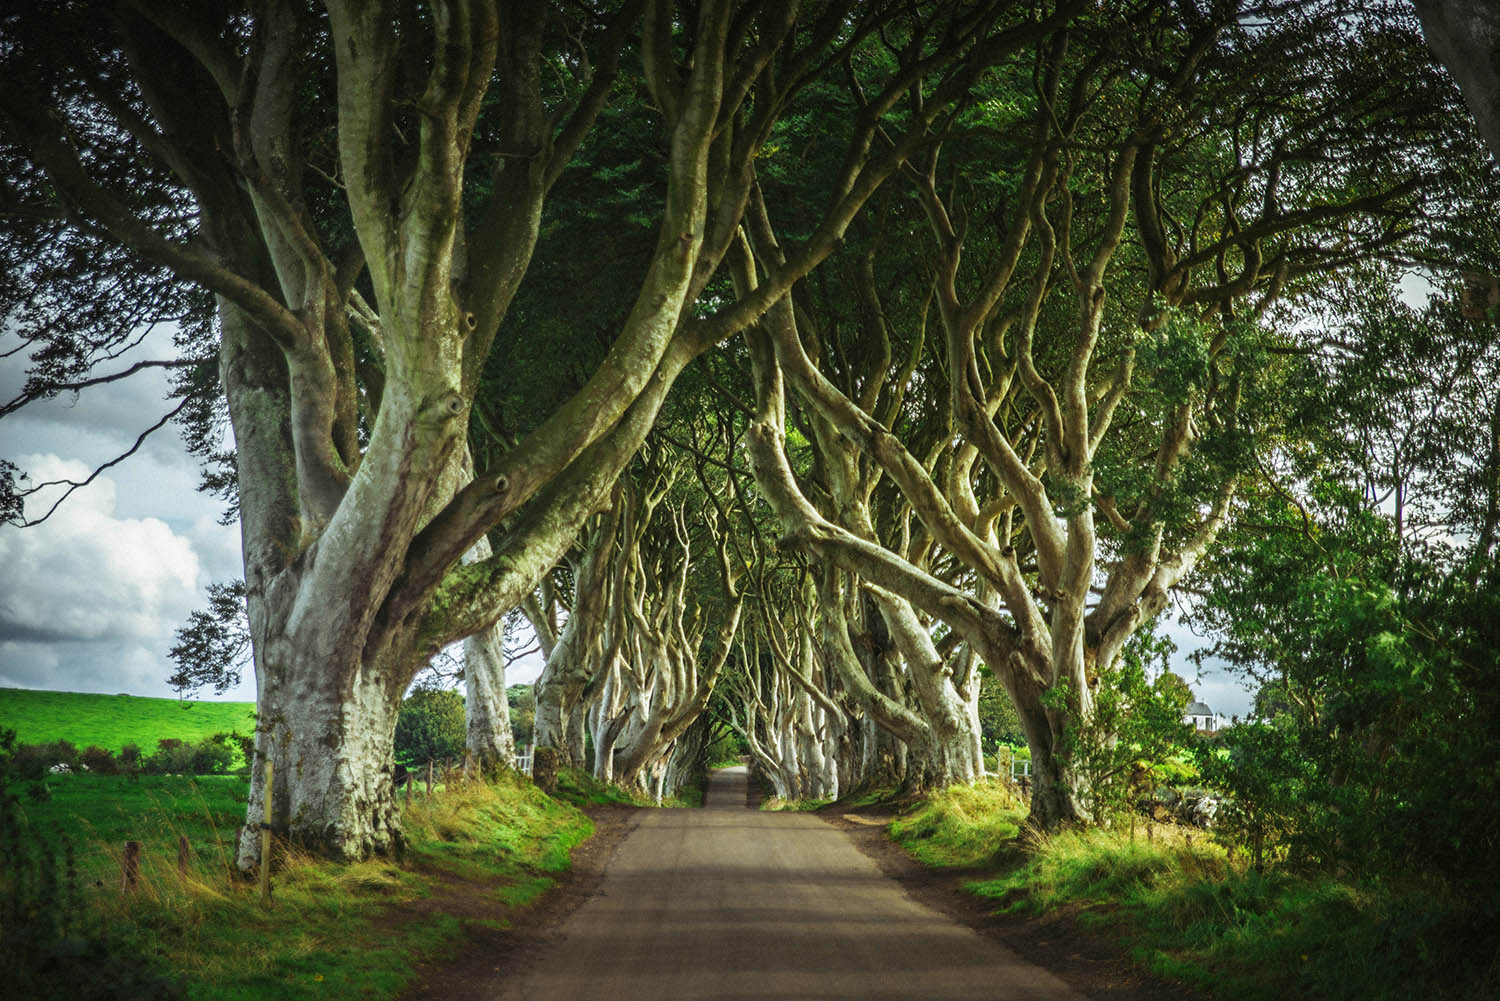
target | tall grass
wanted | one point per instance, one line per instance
(1186, 911)
(334, 930)
(961, 825)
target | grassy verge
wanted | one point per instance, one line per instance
(112, 721)
(778, 805)
(581, 789)
(1188, 913)
(335, 931)
(961, 826)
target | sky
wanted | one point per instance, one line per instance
(90, 599)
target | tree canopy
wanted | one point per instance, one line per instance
(803, 369)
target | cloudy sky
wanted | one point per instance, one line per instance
(91, 598)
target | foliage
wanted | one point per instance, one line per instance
(431, 726)
(998, 721)
(1189, 914)
(33, 761)
(1136, 726)
(114, 721)
(1376, 747)
(1384, 757)
(213, 755)
(1360, 593)
(725, 750)
(522, 713)
(214, 646)
(210, 756)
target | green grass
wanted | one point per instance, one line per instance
(962, 825)
(778, 805)
(335, 930)
(99, 813)
(112, 721)
(1186, 912)
(581, 789)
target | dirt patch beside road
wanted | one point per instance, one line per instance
(485, 952)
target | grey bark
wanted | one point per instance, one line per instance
(1465, 36)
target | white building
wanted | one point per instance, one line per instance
(1202, 718)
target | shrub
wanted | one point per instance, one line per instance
(245, 745)
(213, 755)
(431, 726)
(100, 760)
(172, 757)
(209, 756)
(129, 758)
(34, 761)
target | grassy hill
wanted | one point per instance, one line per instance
(112, 721)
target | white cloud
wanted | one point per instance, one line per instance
(90, 600)
(1212, 684)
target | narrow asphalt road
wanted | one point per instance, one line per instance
(732, 904)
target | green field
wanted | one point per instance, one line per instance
(191, 928)
(335, 931)
(112, 721)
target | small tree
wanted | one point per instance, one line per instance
(522, 713)
(430, 727)
(1136, 725)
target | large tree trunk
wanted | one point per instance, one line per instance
(587, 644)
(1465, 35)
(486, 706)
(330, 737)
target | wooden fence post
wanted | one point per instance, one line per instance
(130, 866)
(265, 841)
(184, 852)
(429, 779)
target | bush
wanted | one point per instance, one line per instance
(245, 745)
(213, 755)
(100, 760)
(210, 756)
(34, 761)
(129, 758)
(172, 757)
(431, 726)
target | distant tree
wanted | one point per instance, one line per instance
(522, 713)
(214, 647)
(430, 726)
(997, 714)
(1175, 688)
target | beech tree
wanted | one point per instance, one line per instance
(1115, 234)
(343, 202)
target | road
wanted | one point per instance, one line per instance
(733, 904)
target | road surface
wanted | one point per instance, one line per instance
(733, 904)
